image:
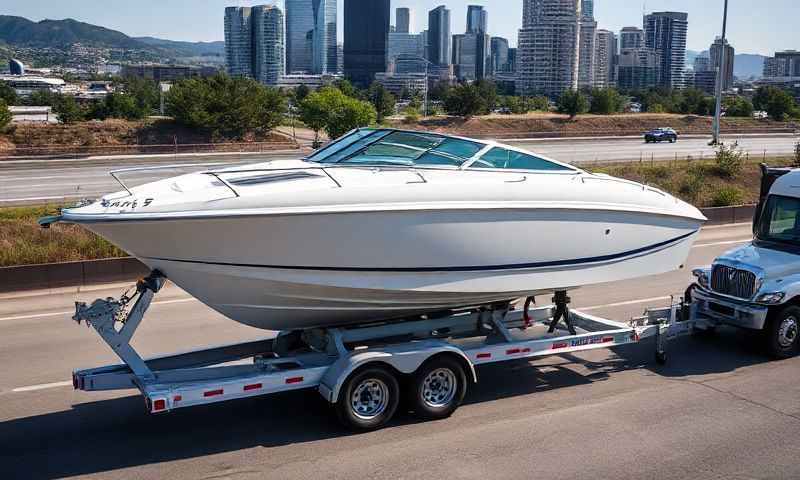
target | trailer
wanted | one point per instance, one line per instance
(362, 370)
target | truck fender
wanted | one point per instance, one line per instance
(789, 284)
(405, 359)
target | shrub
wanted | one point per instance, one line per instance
(411, 115)
(539, 104)
(656, 108)
(605, 101)
(68, 110)
(729, 160)
(726, 196)
(465, 101)
(738, 107)
(693, 184)
(797, 154)
(573, 103)
(5, 114)
(331, 110)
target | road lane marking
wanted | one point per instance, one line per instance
(623, 304)
(727, 242)
(43, 386)
(71, 312)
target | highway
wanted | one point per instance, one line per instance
(718, 410)
(55, 181)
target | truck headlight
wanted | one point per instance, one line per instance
(702, 277)
(770, 298)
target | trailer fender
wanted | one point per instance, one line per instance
(405, 359)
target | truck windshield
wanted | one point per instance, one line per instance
(780, 221)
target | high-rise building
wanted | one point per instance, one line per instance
(472, 55)
(665, 32)
(16, 67)
(238, 42)
(269, 63)
(477, 19)
(500, 62)
(404, 20)
(311, 30)
(702, 63)
(724, 62)
(638, 69)
(631, 37)
(512, 60)
(547, 55)
(783, 64)
(366, 31)
(586, 52)
(605, 50)
(439, 36)
(587, 9)
(405, 46)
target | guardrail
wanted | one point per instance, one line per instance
(82, 151)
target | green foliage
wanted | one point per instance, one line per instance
(488, 91)
(465, 100)
(738, 107)
(383, 101)
(144, 92)
(539, 104)
(347, 88)
(439, 91)
(42, 98)
(573, 103)
(797, 154)
(776, 102)
(514, 105)
(301, 92)
(226, 107)
(411, 115)
(695, 101)
(119, 105)
(5, 114)
(656, 108)
(8, 94)
(68, 110)
(332, 110)
(727, 195)
(729, 160)
(606, 101)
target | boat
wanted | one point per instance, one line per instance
(387, 224)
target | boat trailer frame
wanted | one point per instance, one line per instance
(325, 358)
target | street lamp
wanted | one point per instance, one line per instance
(720, 74)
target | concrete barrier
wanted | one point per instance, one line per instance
(726, 215)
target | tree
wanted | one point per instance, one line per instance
(778, 103)
(301, 92)
(696, 102)
(514, 105)
(144, 92)
(488, 91)
(121, 105)
(573, 103)
(67, 110)
(346, 87)
(539, 104)
(5, 114)
(439, 91)
(226, 107)
(605, 101)
(466, 101)
(738, 107)
(42, 98)
(331, 110)
(383, 101)
(8, 94)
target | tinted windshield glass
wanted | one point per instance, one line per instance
(780, 221)
(405, 148)
(511, 160)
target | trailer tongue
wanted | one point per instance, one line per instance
(359, 369)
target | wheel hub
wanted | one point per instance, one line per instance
(369, 399)
(787, 333)
(439, 387)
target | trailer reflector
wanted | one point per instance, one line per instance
(557, 346)
(159, 405)
(253, 386)
(513, 351)
(213, 393)
(177, 398)
(608, 339)
(484, 355)
(291, 380)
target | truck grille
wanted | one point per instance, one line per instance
(734, 282)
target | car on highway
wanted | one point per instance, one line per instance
(661, 135)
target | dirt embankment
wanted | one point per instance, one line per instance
(553, 125)
(124, 137)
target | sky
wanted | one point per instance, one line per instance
(753, 27)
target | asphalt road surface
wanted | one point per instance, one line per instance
(719, 409)
(54, 181)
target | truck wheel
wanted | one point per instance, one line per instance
(368, 399)
(782, 332)
(438, 388)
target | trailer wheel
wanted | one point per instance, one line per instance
(438, 388)
(783, 332)
(368, 399)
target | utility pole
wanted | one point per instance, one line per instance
(720, 73)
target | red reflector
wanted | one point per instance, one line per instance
(484, 355)
(159, 405)
(556, 346)
(254, 386)
(177, 398)
(213, 393)
(526, 350)
(291, 380)
(513, 351)
(608, 339)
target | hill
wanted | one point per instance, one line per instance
(185, 49)
(745, 65)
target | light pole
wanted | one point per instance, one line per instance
(720, 74)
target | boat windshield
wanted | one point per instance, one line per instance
(780, 221)
(392, 147)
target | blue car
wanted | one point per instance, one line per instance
(661, 135)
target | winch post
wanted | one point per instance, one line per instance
(561, 301)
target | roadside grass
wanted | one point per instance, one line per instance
(23, 242)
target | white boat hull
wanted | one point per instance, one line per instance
(300, 271)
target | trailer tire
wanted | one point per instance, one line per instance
(438, 388)
(782, 332)
(368, 399)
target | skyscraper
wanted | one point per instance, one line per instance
(665, 32)
(586, 51)
(405, 20)
(605, 49)
(269, 63)
(500, 61)
(311, 29)
(631, 37)
(439, 36)
(366, 29)
(547, 55)
(587, 9)
(726, 65)
(238, 42)
(477, 19)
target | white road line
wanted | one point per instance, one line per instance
(43, 386)
(623, 304)
(729, 242)
(70, 312)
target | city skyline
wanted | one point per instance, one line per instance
(762, 31)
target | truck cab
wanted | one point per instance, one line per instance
(757, 286)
